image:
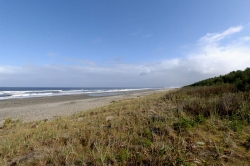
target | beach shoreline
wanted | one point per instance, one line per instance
(41, 108)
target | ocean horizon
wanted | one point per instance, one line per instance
(30, 92)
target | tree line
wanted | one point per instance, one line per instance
(241, 79)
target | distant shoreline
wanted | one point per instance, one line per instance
(7, 93)
(49, 107)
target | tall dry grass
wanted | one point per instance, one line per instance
(198, 126)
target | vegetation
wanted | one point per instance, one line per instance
(207, 125)
(190, 126)
(241, 79)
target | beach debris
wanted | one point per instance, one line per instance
(2, 124)
(80, 119)
(109, 118)
(200, 143)
(34, 125)
(197, 161)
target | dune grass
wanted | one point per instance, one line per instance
(190, 126)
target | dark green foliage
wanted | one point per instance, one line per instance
(223, 101)
(200, 119)
(181, 161)
(246, 144)
(183, 124)
(248, 139)
(240, 79)
(236, 125)
(123, 155)
(148, 134)
(146, 142)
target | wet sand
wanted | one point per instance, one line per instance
(40, 108)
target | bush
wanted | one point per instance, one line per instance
(228, 104)
(200, 119)
(236, 125)
(183, 124)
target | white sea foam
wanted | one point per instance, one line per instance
(43, 93)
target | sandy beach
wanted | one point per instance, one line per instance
(40, 108)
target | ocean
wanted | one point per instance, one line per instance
(29, 92)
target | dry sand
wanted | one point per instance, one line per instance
(32, 109)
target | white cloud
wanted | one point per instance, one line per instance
(210, 57)
(215, 58)
(10, 70)
(215, 37)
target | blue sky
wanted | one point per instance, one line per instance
(121, 43)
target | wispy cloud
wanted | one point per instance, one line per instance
(214, 57)
(4, 70)
(215, 37)
(209, 57)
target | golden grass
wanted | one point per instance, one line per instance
(152, 130)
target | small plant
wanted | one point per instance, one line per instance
(184, 124)
(200, 119)
(123, 155)
(147, 133)
(9, 122)
(236, 125)
(248, 139)
(246, 143)
(181, 161)
(147, 142)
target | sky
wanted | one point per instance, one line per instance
(121, 43)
